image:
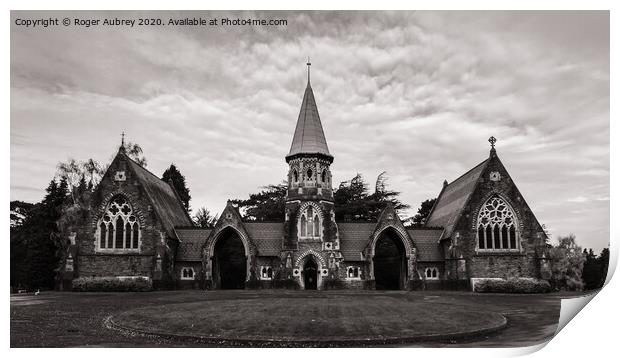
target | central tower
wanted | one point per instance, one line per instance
(310, 199)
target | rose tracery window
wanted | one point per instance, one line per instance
(118, 228)
(497, 226)
(309, 224)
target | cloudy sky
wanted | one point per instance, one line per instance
(416, 94)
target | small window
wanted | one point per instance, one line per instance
(353, 272)
(266, 273)
(309, 173)
(295, 176)
(187, 273)
(431, 273)
(323, 176)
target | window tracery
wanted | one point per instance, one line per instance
(118, 228)
(496, 226)
(309, 223)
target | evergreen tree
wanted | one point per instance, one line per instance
(178, 181)
(266, 205)
(35, 244)
(204, 218)
(419, 219)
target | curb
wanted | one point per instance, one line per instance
(281, 343)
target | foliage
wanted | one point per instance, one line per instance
(333, 283)
(20, 210)
(112, 284)
(204, 219)
(512, 285)
(567, 260)
(287, 283)
(178, 182)
(419, 219)
(266, 205)
(35, 245)
(595, 269)
(80, 176)
(353, 201)
(134, 151)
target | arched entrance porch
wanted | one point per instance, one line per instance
(390, 261)
(229, 261)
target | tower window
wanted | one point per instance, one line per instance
(323, 176)
(309, 173)
(295, 176)
(118, 228)
(496, 225)
(309, 223)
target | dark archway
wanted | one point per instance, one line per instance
(390, 262)
(229, 261)
(310, 274)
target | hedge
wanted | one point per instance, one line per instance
(513, 285)
(111, 284)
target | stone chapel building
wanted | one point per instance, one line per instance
(480, 227)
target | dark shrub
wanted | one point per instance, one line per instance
(332, 284)
(287, 283)
(513, 285)
(111, 284)
(253, 283)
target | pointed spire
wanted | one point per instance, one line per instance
(309, 137)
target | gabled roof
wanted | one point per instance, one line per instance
(166, 204)
(427, 242)
(453, 198)
(354, 237)
(268, 237)
(191, 241)
(309, 137)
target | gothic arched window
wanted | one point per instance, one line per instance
(496, 226)
(309, 173)
(118, 228)
(309, 224)
(324, 176)
(295, 176)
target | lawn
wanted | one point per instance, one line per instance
(66, 319)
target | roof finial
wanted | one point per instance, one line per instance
(121, 149)
(308, 64)
(492, 140)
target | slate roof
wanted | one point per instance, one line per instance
(427, 242)
(165, 202)
(191, 241)
(354, 238)
(268, 237)
(453, 198)
(309, 137)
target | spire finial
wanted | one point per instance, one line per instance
(308, 64)
(492, 140)
(122, 147)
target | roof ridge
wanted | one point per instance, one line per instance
(467, 172)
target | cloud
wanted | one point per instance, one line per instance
(413, 93)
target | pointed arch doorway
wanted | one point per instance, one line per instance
(229, 261)
(390, 262)
(310, 274)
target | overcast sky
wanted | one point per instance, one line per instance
(416, 94)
